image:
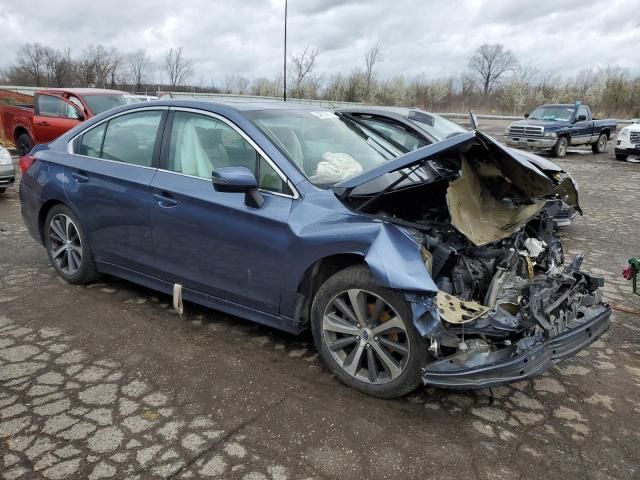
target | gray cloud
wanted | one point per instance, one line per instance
(432, 38)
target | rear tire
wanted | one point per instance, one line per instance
(24, 144)
(622, 158)
(375, 349)
(601, 144)
(560, 148)
(2, 190)
(68, 246)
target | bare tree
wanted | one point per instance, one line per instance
(177, 67)
(489, 64)
(370, 60)
(302, 65)
(138, 62)
(58, 65)
(31, 59)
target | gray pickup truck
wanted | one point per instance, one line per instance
(555, 127)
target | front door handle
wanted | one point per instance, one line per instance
(80, 177)
(164, 200)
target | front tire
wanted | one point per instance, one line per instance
(24, 144)
(560, 148)
(365, 334)
(2, 190)
(622, 158)
(68, 247)
(601, 145)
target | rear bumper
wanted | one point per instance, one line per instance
(532, 362)
(7, 175)
(533, 143)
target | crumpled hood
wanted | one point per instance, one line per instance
(477, 213)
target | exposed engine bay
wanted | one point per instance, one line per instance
(489, 243)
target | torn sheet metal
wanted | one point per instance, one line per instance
(477, 214)
(457, 311)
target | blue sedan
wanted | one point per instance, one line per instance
(440, 266)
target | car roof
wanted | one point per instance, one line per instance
(85, 91)
(240, 106)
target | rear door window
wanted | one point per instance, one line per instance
(91, 143)
(129, 138)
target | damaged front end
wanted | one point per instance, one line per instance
(496, 301)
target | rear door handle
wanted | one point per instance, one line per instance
(80, 177)
(164, 200)
(43, 124)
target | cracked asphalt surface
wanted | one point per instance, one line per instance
(106, 381)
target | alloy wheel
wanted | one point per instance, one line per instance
(65, 244)
(365, 336)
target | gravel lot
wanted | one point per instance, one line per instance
(106, 381)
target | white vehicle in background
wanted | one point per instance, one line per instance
(628, 142)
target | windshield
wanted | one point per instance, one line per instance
(438, 127)
(101, 103)
(326, 148)
(558, 113)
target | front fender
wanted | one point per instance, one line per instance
(395, 261)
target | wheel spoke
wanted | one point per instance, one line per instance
(76, 248)
(390, 364)
(371, 366)
(59, 251)
(341, 343)
(76, 258)
(352, 362)
(333, 323)
(344, 308)
(57, 228)
(394, 346)
(394, 322)
(359, 305)
(71, 262)
(68, 227)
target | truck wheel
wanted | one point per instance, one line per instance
(600, 145)
(2, 190)
(622, 158)
(24, 144)
(560, 148)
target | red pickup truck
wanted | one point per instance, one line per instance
(54, 112)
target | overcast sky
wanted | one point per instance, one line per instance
(244, 37)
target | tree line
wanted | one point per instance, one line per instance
(495, 81)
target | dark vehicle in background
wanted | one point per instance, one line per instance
(7, 170)
(54, 112)
(411, 128)
(435, 266)
(556, 127)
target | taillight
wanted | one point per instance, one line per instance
(26, 161)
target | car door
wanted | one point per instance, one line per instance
(107, 184)
(52, 117)
(213, 242)
(581, 130)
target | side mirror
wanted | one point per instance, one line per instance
(526, 115)
(238, 180)
(581, 118)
